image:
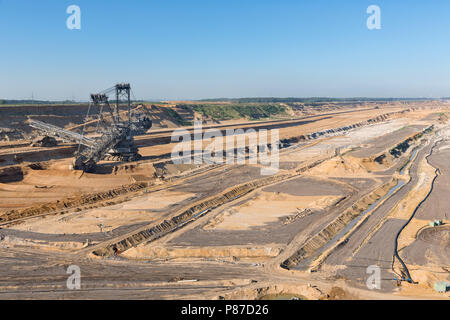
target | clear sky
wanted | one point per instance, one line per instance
(194, 49)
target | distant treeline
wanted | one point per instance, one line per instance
(232, 100)
(309, 100)
(236, 111)
(12, 102)
(47, 102)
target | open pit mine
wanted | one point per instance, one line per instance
(360, 186)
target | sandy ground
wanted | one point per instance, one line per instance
(388, 139)
(235, 248)
(431, 249)
(145, 252)
(425, 248)
(378, 251)
(438, 204)
(265, 208)
(146, 208)
(57, 181)
(52, 184)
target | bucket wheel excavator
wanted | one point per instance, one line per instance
(115, 128)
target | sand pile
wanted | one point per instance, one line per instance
(278, 291)
(159, 252)
(341, 167)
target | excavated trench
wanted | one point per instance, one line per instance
(314, 244)
(17, 173)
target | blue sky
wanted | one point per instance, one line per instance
(205, 49)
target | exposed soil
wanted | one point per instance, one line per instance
(223, 231)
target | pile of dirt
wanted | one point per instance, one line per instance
(144, 169)
(168, 169)
(45, 141)
(283, 291)
(337, 293)
(11, 174)
(342, 166)
(11, 134)
(157, 252)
